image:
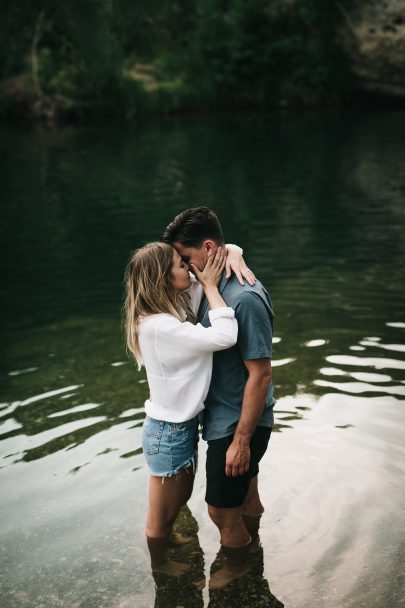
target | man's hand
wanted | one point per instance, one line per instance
(237, 459)
(254, 396)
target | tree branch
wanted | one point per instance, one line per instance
(348, 20)
(38, 31)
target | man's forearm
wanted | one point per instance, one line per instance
(254, 398)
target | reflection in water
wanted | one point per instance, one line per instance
(375, 362)
(171, 591)
(394, 347)
(41, 423)
(251, 590)
(361, 376)
(77, 408)
(18, 372)
(313, 343)
(317, 205)
(361, 387)
(367, 382)
(280, 362)
(48, 394)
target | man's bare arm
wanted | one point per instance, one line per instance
(254, 397)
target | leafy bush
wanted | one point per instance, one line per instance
(200, 53)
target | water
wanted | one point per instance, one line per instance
(317, 202)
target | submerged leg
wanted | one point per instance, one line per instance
(252, 510)
(235, 542)
(166, 497)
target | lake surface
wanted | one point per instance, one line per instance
(318, 203)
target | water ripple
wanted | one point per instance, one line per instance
(39, 440)
(78, 408)
(361, 376)
(361, 387)
(400, 348)
(58, 391)
(313, 343)
(19, 372)
(280, 362)
(377, 363)
(9, 425)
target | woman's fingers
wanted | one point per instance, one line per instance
(213, 268)
(210, 260)
(195, 270)
(222, 258)
(219, 258)
(239, 276)
(218, 263)
(235, 263)
(248, 275)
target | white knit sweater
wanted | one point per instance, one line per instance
(178, 359)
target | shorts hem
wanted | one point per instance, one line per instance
(190, 462)
(222, 506)
(223, 492)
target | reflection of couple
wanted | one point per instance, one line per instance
(252, 590)
(232, 389)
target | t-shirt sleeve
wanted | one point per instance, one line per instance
(255, 323)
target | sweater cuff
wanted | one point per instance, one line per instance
(234, 247)
(219, 313)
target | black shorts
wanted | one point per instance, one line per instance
(229, 492)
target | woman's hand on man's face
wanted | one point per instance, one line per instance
(211, 275)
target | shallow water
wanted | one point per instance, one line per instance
(317, 202)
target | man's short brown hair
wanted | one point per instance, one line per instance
(193, 226)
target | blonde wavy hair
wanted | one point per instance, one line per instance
(150, 291)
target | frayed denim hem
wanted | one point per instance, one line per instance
(191, 462)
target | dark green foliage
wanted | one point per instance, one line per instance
(269, 51)
(128, 57)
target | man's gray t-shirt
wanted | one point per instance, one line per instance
(254, 313)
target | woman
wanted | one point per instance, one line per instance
(161, 302)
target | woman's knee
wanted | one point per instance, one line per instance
(158, 525)
(157, 528)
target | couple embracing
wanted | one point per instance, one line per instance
(205, 339)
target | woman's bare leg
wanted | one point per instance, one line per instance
(165, 501)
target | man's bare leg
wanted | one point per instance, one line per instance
(166, 497)
(252, 510)
(235, 541)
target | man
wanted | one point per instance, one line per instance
(238, 414)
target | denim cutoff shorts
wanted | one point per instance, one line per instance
(170, 447)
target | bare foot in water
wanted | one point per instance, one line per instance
(225, 575)
(172, 568)
(179, 539)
